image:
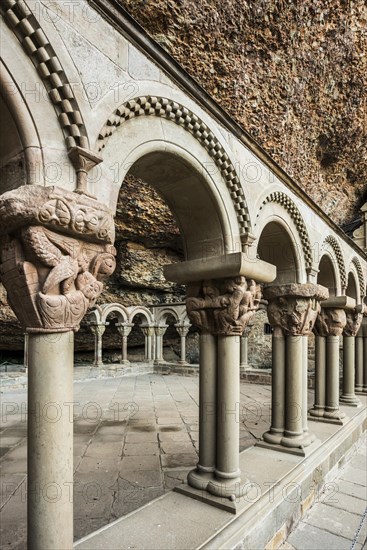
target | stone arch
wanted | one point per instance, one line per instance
(120, 312)
(359, 272)
(334, 245)
(94, 316)
(328, 275)
(140, 310)
(287, 204)
(168, 109)
(16, 117)
(38, 48)
(163, 314)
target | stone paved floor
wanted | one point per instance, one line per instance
(333, 522)
(135, 438)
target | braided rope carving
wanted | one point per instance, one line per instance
(332, 241)
(36, 44)
(287, 203)
(180, 115)
(358, 267)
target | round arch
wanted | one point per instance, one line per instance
(331, 247)
(118, 310)
(278, 242)
(352, 289)
(164, 313)
(192, 176)
(328, 275)
(140, 310)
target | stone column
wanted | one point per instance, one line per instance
(124, 329)
(292, 311)
(159, 333)
(359, 361)
(55, 252)
(26, 346)
(244, 366)
(364, 326)
(149, 333)
(275, 434)
(97, 330)
(203, 473)
(182, 331)
(328, 329)
(354, 320)
(222, 310)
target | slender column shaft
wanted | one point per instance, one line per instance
(148, 344)
(227, 480)
(294, 394)
(244, 352)
(183, 349)
(332, 374)
(98, 349)
(50, 441)
(348, 396)
(365, 364)
(124, 349)
(278, 388)
(304, 382)
(320, 377)
(200, 477)
(359, 362)
(26, 341)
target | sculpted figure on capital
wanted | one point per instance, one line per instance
(51, 274)
(223, 306)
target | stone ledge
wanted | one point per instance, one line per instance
(177, 521)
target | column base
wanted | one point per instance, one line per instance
(273, 437)
(125, 362)
(181, 362)
(223, 487)
(363, 391)
(350, 400)
(199, 479)
(316, 412)
(99, 365)
(340, 421)
(299, 451)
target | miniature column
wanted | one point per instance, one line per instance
(354, 321)
(244, 366)
(159, 333)
(328, 329)
(149, 333)
(292, 311)
(52, 276)
(124, 329)
(183, 331)
(97, 330)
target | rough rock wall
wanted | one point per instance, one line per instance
(293, 73)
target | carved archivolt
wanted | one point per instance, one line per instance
(180, 115)
(357, 265)
(38, 48)
(283, 199)
(55, 255)
(223, 307)
(332, 241)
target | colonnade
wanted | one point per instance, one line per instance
(153, 339)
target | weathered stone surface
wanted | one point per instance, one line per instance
(330, 322)
(293, 75)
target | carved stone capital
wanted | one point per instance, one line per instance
(97, 329)
(182, 329)
(160, 329)
(330, 322)
(147, 330)
(224, 306)
(294, 307)
(55, 253)
(124, 328)
(354, 321)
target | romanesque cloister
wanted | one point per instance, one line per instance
(250, 235)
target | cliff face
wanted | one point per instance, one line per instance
(292, 73)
